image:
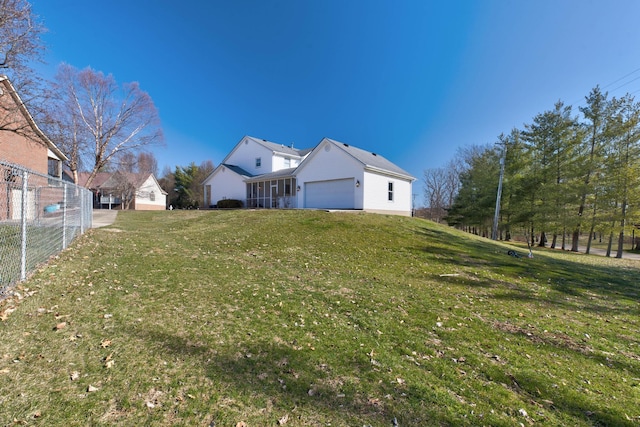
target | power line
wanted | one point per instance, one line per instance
(581, 102)
(621, 78)
(622, 85)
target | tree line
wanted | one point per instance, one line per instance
(565, 175)
(99, 124)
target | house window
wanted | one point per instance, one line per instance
(258, 162)
(390, 197)
(287, 163)
(152, 196)
(53, 167)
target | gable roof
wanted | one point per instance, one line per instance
(275, 147)
(271, 146)
(108, 180)
(6, 86)
(370, 161)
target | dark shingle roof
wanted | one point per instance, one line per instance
(238, 170)
(372, 160)
(282, 173)
(280, 148)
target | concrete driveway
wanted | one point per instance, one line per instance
(103, 217)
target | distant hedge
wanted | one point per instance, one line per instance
(229, 204)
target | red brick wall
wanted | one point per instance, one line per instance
(23, 151)
(15, 147)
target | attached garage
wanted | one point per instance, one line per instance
(331, 194)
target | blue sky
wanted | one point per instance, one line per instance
(410, 80)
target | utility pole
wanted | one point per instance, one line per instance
(494, 231)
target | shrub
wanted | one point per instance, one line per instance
(229, 204)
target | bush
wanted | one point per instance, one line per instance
(229, 204)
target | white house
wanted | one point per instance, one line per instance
(120, 190)
(332, 175)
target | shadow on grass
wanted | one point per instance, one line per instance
(586, 286)
(285, 379)
(536, 388)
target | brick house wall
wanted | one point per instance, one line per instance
(23, 151)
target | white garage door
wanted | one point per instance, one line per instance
(334, 194)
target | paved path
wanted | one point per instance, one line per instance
(625, 254)
(103, 217)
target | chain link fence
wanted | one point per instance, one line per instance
(39, 217)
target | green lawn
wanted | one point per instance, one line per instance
(255, 318)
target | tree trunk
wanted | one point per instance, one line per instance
(620, 244)
(543, 240)
(574, 240)
(591, 236)
(610, 244)
(554, 240)
(622, 224)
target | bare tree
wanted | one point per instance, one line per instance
(441, 187)
(116, 118)
(141, 163)
(63, 124)
(434, 192)
(19, 35)
(20, 46)
(147, 163)
(124, 185)
(126, 162)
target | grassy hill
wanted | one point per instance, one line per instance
(253, 318)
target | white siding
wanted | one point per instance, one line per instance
(376, 194)
(245, 155)
(326, 165)
(143, 196)
(226, 184)
(279, 162)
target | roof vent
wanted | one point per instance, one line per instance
(346, 145)
(374, 154)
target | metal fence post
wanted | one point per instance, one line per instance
(23, 238)
(64, 216)
(81, 214)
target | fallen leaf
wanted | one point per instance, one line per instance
(282, 421)
(75, 375)
(4, 314)
(241, 424)
(109, 364)
(60, 325)
(92, 389)
(105, 343)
